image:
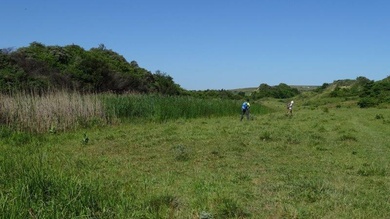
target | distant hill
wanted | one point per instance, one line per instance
(247, 90)
(362, 91)
(250, 90)
(305, 87)
(299, 87)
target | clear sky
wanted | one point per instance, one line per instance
(217, 44)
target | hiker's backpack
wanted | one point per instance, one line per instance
(245, 106)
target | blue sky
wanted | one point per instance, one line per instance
(217, 44)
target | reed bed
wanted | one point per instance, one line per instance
(61, 111)
(54, 111)
(163, 108)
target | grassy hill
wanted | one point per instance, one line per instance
(305, 87)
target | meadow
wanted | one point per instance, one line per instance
(198, 161)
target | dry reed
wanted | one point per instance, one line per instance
(54, 111)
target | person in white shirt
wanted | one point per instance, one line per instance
(289, 108)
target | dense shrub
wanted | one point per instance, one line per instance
(375, 93)
(280, 91)
(368, 92)
(42, 68)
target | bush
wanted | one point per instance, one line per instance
(367, 102)
(281, 91)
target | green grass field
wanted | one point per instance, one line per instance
(319, 163)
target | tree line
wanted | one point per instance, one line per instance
(281, 91)
(42, 68)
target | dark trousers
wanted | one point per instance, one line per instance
(244, 112)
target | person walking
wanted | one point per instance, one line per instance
(289, 108)
(245, 108)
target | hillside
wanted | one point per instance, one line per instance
(249, 90)
(40, 68)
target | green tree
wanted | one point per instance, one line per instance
(164, 84)
(280, 91)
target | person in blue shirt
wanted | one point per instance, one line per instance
(245, 108)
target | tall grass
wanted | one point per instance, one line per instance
(60, 111)
(30, 188)
(163, 108)
(56, 111)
